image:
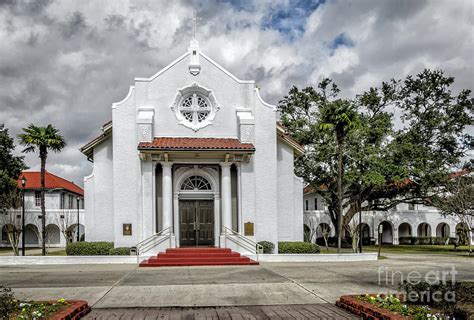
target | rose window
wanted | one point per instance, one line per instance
(195, 108)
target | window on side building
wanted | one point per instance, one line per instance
(38, 198)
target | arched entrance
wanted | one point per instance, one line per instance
(196, 211)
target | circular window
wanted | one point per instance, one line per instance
(195, 107)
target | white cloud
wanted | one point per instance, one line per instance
(65, 62)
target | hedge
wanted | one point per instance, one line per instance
(120, 251)
(297, 247)
(89, 248)
(267, 246)
(425, 240)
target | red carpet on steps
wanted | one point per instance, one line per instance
(197, 256)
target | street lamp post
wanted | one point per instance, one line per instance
(23, 184)
(77, 204)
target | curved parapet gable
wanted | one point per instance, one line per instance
(257, 92)
(129, 94)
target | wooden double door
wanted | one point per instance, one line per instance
(196, 221)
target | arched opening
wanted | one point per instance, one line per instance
(196, 208)
(424, 230)
(462, 233)
(307, 233)
(387, 232)
(31, 235)
(404, 230)
(72, 233)
(53, 234)
(322, 231)
(4, 235)
(442, 230)
(365, 234)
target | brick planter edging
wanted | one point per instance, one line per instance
(76, 310)
(366, 310)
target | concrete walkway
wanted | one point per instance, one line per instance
(126, 286)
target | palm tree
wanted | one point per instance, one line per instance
(42, 139)
(339, 116)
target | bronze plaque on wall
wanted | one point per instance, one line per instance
(127, 229)
(248, 229)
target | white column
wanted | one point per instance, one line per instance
(226, 196)
(167, 190)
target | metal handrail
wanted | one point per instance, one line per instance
(152, 241)
(256, 248)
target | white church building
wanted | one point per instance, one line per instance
(195, 155)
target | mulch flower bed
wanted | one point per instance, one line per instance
(386, 307)
(52, 310)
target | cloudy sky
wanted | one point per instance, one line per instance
(65, 62)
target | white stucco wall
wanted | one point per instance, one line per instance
(289, 189)
(99, 191)
(126, 169)
(265, 170)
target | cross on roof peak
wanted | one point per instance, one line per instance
(195, 20)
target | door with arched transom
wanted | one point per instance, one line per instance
(196, 222)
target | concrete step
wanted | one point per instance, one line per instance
(197, 254)
(201, 256)
(198, 250)
(194, 263)
(203, 259)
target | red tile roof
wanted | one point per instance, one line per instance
(33, 181)
(178, 144)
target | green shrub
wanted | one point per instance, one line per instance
(439, 295)
(425, 240)
(120, 251)
(89, 248)
(267, 246)
(297, 247)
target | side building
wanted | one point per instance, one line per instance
(64, 202)
(401, 225)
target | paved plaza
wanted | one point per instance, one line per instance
(121, 287)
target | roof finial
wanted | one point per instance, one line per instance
(195, 20)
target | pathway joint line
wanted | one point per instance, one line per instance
(111, 287)
(302, 287)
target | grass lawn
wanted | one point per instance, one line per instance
(34, 251)
(408, 249)
(412, 249)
